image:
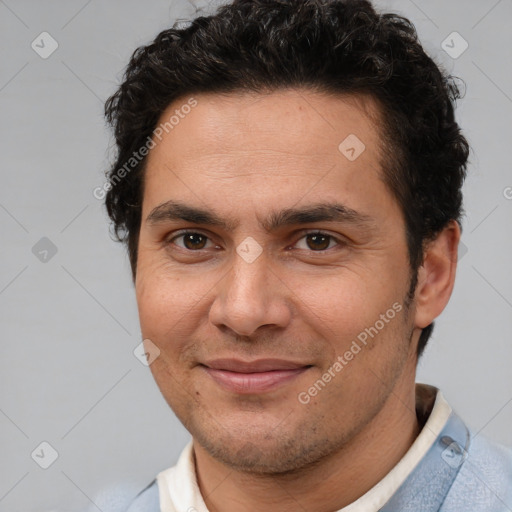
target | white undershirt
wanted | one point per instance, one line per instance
(180, 480)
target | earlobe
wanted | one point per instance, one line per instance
(436, 276)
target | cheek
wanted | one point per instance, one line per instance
(169, 310)
(342, 299)
(163, 283)
(174, 314)
(350, 307)
(167, 304)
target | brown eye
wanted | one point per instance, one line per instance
(194, 241)
(317, 241)
(190, 240)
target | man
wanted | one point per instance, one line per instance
(288, 184)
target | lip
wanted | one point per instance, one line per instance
(251, 377)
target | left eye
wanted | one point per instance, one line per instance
(317, 242)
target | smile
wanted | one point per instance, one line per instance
(253, 377)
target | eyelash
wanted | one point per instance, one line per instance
(181, 234)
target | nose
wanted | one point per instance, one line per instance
(250, 296)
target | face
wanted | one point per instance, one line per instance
(272, 275)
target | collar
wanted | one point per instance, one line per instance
(433, 412)
(179, 491)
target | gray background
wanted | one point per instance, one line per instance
(69, 324)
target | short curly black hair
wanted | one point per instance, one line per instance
(332, 46)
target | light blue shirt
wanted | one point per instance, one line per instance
(460, 472)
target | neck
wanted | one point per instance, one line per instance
(333, 483)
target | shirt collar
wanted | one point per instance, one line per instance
(179, 491)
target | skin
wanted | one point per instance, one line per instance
(244, 157)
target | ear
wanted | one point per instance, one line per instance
(436, 276)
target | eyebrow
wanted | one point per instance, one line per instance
(321, 212)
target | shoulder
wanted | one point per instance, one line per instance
(484, 482)
(147, 500)
(124, 498)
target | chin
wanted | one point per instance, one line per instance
(265, 453)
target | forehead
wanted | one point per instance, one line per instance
(292, 121)
(266, 147)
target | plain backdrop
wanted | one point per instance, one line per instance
(69, 320)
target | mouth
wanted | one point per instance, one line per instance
(252, 377)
